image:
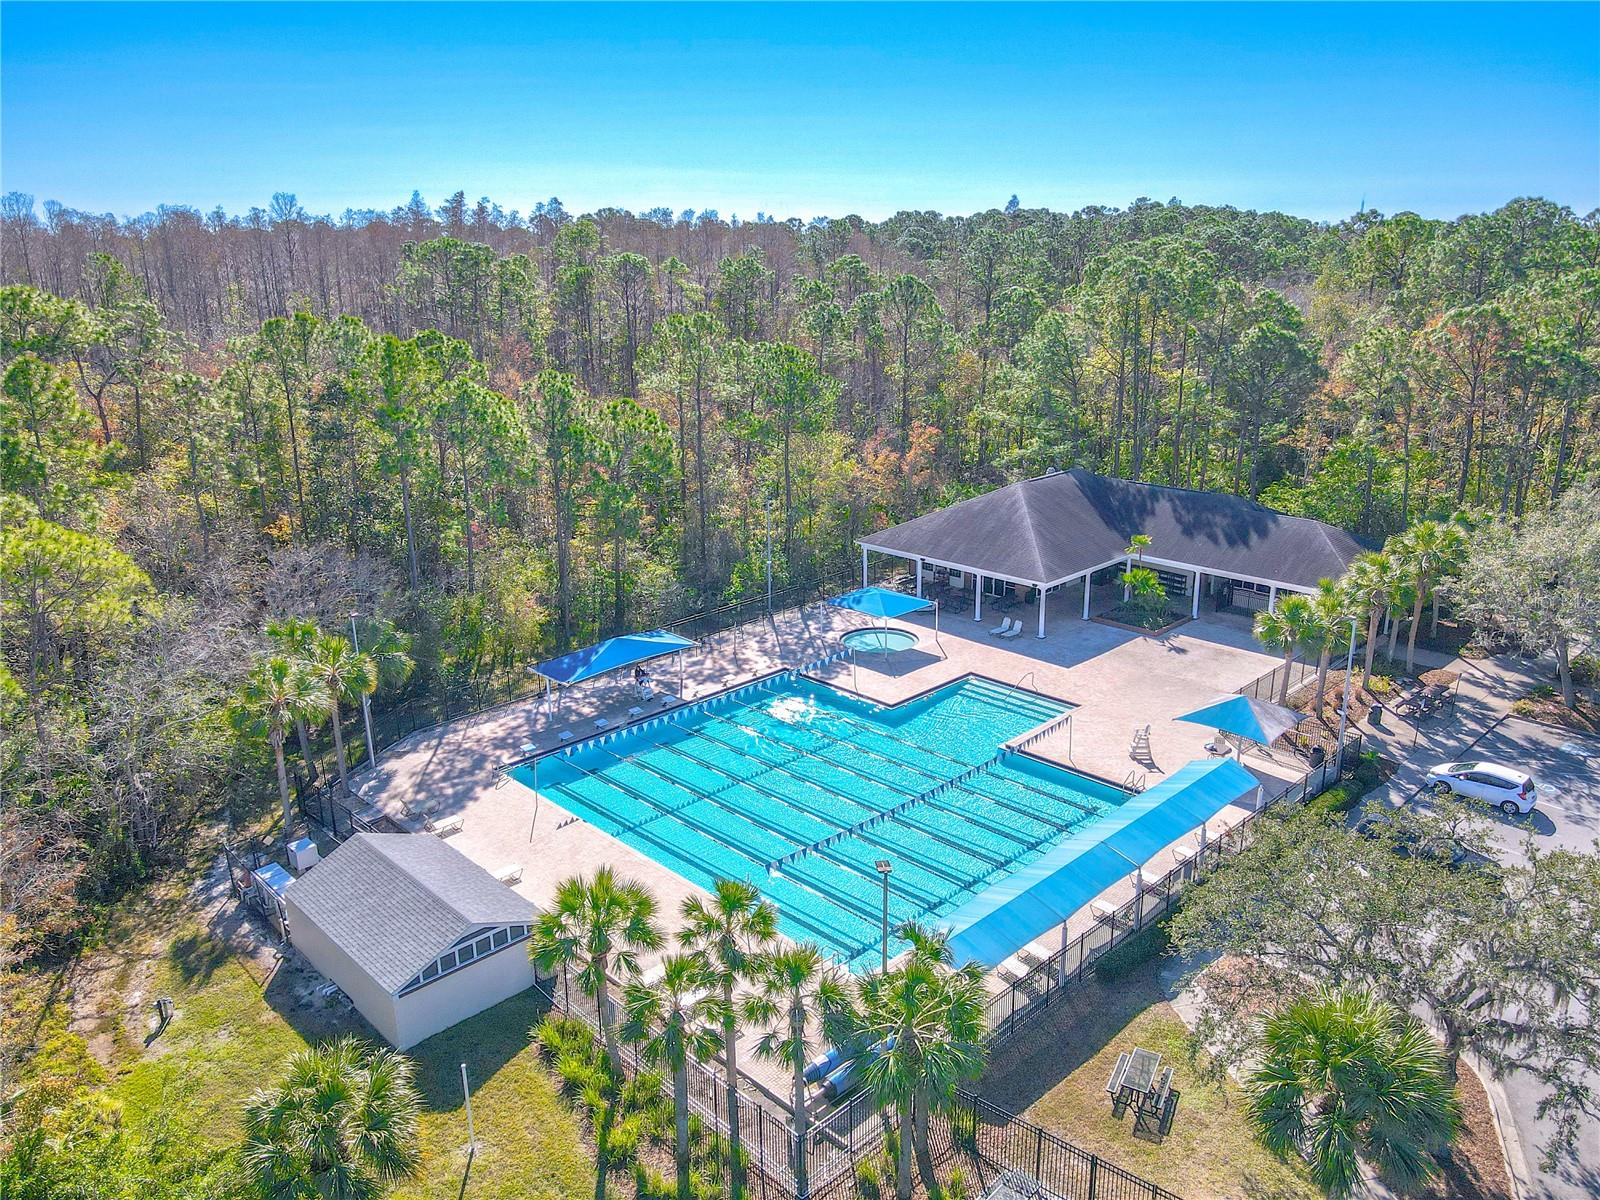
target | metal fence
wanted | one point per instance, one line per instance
(987, 1143)
(1270, 685)
(396, 722)
(1046, 978)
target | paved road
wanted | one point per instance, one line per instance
(1567, 767)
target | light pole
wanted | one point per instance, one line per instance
(1344, 705)
(769, 556)
(366, 712)
(884, 867)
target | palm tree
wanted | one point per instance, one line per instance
(730, 933)
(1367, 582)
(388, 648)
(596, 924)
(277, 693)
(293, 637)
(1288, 627)
(1330, 614)
(1344, 1074)
(798, 988)
(342, 675)
(1429, 549)
(1136, 546)
(343, 1123)
(1142, 587)
(924, 1021)
(672, 1021)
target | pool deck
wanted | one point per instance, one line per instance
(1118, 680)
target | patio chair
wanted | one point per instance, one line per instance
(1001, 629)
(1015, 631)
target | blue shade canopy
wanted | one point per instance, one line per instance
(610, 654)
(1000, 920)
(1259, 720)
(880, 602)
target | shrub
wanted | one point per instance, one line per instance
(579, 1072)
(622, 1143)
(1524, 708)
(652, 1185)
(1585, 669)
(1150, 942)
(868, 1181)
(964, 1129)
(956, 1187)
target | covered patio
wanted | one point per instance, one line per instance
(1056, 539)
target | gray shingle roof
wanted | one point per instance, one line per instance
(1058, 525)
(395, 901)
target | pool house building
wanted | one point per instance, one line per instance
(1068, 530)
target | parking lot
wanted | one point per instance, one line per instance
(1566, 766)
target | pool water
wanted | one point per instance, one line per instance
(747, 785)
(881, 641)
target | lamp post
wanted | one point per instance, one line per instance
(1344, 705)
(366, 712)
(884, 867)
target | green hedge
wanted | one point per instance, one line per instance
(1149, 943)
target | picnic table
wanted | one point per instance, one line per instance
(1139, 1082)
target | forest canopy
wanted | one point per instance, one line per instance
(501, 435)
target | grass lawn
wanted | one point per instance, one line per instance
(240, 1015)
(1210, 1151)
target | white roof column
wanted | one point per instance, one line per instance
(1087, 575)
(1041, 610)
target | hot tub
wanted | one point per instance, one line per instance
(879, 641)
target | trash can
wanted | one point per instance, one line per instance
(1375, 716)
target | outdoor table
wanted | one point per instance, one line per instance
(1134, 1080)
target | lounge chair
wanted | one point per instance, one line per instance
(1001, 629)
(1015, 631)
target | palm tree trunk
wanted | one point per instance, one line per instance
(680, 1104)
(730, 1051)
(1394, 634)
(920, 1114)
(902, 1171)
(1322, 677)
(305, 750)
(1372, 645)
(1416, 620)
(602, 1003)
(338, 750)
(1283, 688)
(797, 1032)
(283, 786)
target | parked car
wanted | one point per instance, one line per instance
(1512, 792)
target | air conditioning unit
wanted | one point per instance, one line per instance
(303, 855)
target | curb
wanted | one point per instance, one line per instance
(1505, 1129)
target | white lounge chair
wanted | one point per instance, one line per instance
(448, 827)
(601, 723)
(1014, 631)
(1001, 629)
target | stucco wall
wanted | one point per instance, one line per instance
(460, 994)
(375, 1004)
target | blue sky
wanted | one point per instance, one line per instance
(801, 111)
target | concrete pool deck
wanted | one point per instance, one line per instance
(1118, 681)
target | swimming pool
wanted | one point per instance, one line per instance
(800, 789)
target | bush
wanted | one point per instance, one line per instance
(868, 1181)
(579, 1072)
(1149, 943)
(652, 1185)
(1585, 669)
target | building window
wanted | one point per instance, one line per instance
(483, 942)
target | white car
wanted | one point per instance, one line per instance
(1512, 792)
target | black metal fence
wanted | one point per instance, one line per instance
(987, 1144)
(395, 722)
(1270, 685)
(1033, 992)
